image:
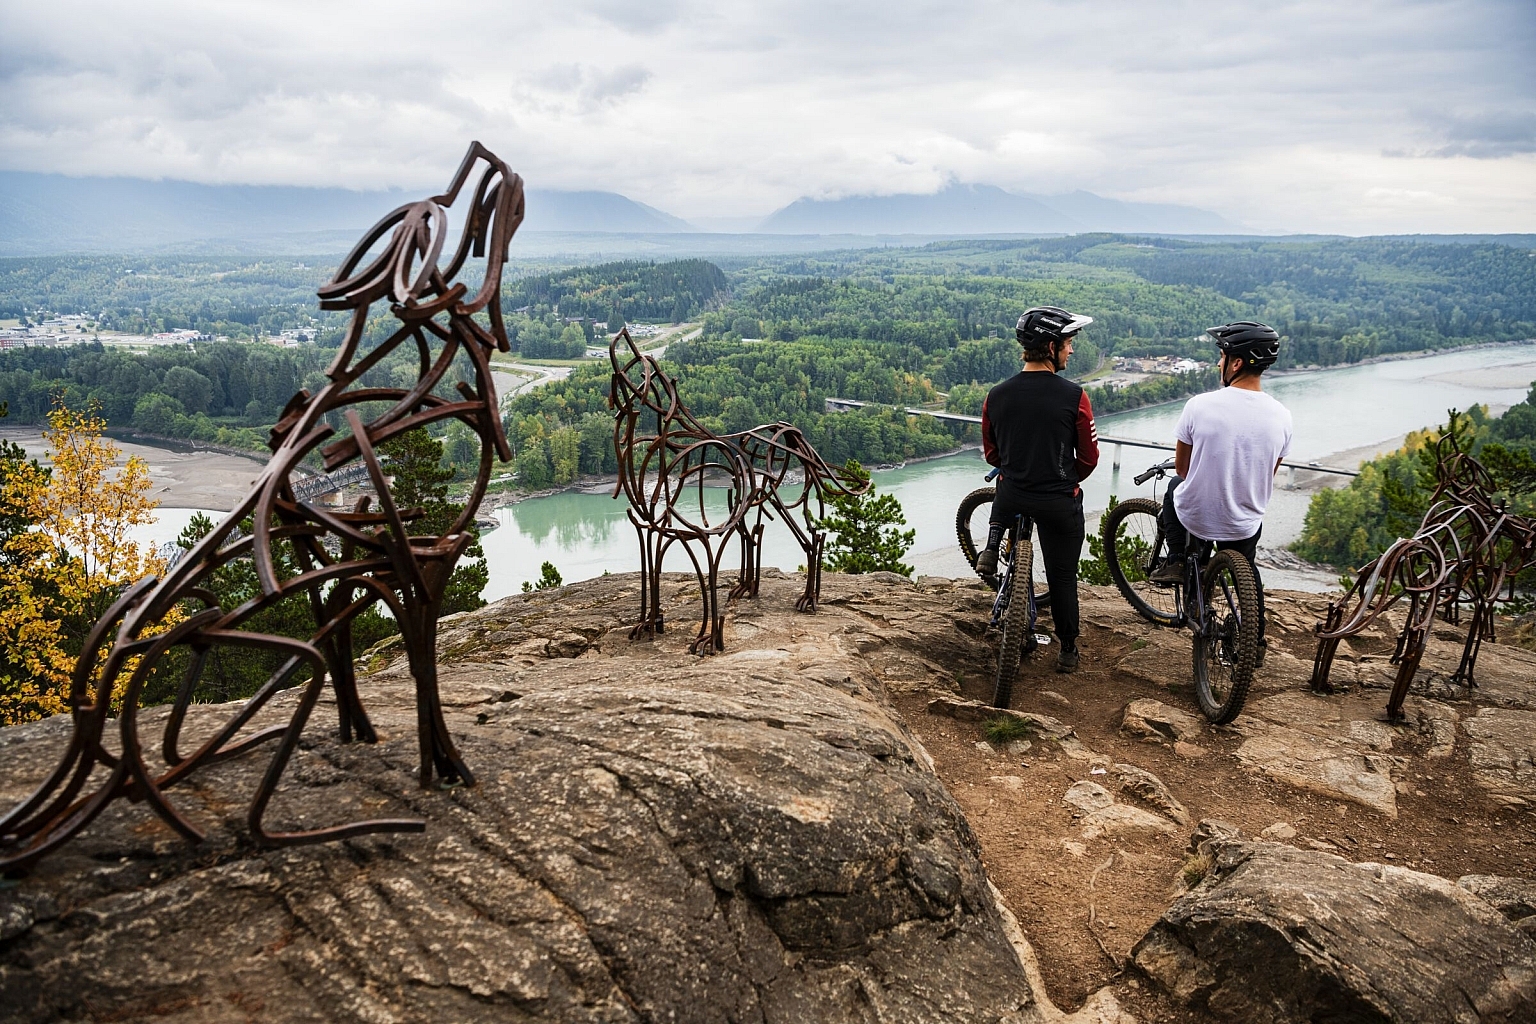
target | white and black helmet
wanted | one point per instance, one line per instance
(1042, 325)
(1256, 344)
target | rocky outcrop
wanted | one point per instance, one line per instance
(1309, 742)
(1515, 898)
(1278, 935)
(1503, 754)
(654, 837)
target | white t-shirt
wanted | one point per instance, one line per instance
(1237, 436)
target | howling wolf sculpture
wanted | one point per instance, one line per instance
(346, 561)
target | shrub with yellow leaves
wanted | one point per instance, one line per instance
(69, 559)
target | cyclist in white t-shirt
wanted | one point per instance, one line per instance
(1229, 445)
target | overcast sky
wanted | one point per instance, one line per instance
(1360, 117)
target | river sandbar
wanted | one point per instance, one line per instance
(195, 478)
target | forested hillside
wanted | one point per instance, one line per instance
(217, 393)
(633, 289)
(1336, 301)
(781, 333)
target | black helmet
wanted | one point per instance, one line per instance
(1254, 343)
(1040, 326)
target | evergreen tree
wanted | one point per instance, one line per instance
(865, 530)
(549, 579)
(421, 481)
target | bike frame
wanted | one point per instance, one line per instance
(1198, 620)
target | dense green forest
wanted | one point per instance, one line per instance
(215, 393)
(1335, 301)
(780, 333)
(1350, 526)
(633, 289)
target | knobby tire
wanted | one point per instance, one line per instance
(968, 546)
(1018, 631)
(1108, 531)
(1241, 642)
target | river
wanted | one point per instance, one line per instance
(1341, 416)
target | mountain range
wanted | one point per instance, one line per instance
(986, 209)
(51, 213)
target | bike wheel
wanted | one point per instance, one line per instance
(1134, 547)
(1018, 631)
(1227, 642)
(971, 521)
(980, 498)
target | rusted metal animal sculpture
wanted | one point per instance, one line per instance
(667, 458)
(346, 561)
(1467, 548)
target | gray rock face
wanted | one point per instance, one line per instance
(1305, 741)
(1279, 935)
(1515, 898)
(752, 837)
(1503, 754)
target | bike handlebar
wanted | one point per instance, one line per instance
(1160, 470)
(993, 475)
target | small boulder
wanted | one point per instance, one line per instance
(1156, 722)
(1124, 818)
(1087, 796)
(1150, 790)
(1212, 832)
(1278, 935)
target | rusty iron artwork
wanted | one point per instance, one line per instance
(1467, 548)
(346, 561)
(667, 458)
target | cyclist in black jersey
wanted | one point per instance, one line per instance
(1037, 427)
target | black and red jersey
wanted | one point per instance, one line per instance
(1038, 428)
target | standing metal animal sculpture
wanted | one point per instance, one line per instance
(1467, 548)
(345, 561)
(667, 457)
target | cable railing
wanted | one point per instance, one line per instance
(845, 404)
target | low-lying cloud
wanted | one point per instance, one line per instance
(1305, 115)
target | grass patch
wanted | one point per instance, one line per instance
(1138, 644)
(1006, 729)
(1196, 868)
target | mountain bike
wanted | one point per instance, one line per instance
(1015, 562)
(976, 512)
(1217, 598)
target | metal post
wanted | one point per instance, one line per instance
(1116, 467)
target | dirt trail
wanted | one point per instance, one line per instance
(1319, 772)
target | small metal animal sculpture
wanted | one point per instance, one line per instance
(1466, 549)
(346, 561)
(667, 457)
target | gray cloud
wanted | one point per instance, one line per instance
(1378, 115)
(1489, 136)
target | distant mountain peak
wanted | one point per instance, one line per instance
(978, 209)
(51, 213)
